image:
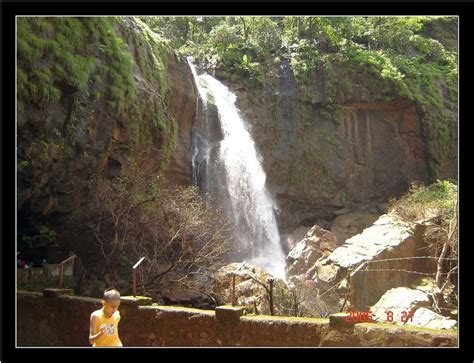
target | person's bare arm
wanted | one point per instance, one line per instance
(94, 333)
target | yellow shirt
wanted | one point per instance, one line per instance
(110, 338)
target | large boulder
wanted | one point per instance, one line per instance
(378, 259)
(429, 319)
(302, 258)
(396, 301)
(176, 295)
(406, 306)
(251, 283)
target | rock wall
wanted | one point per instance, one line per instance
(342, 140)
(182, 106)
(136, 103)
(373, 151)
(42, 321)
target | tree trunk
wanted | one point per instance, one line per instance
(245, 27)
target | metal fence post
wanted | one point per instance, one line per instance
(134, 276)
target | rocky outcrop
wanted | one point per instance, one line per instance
(373, 152)
(378, 259)
(301, 260)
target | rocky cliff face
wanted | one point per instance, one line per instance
(182, 105)
(345, 141)
(136, 102)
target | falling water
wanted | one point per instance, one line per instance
(235, 176)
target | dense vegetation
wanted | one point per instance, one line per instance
(396, 48)
(407, 57)
(420, 202)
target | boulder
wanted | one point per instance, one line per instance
(302, 258)
(397, 300)
(377, 260)
(249, 289)
(410, 307)
(429, 319)
(175, 295)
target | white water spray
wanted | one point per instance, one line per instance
(237, 171)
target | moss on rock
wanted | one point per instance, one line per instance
(92, 57)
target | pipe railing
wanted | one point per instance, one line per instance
(61, 273)
(134, 276)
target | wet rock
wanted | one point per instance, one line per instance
(372, 152)
(182, 106)
(295, 236)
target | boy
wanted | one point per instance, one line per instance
(104, 322)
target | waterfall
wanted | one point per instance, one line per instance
(234, 177)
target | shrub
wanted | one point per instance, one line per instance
(422, 201)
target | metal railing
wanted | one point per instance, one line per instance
(61, 272)
(134, 276)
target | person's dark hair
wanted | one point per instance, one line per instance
(111, 294)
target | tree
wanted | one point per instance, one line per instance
(180, 234)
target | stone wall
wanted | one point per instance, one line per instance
(64, 321)
(46, 273)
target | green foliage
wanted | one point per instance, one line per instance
(44, 236)
(151, 52)
(92, 55)
(23, 164)
(264, 34)
(65, 49)
(224, 36)
(44, 41)
(44, 152)
(396, 49)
